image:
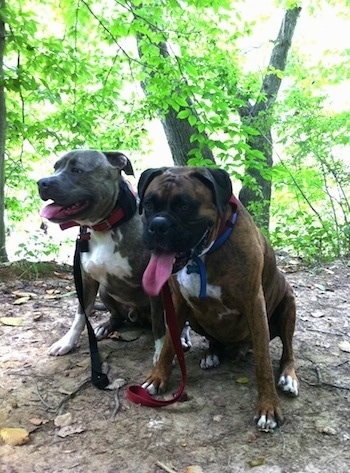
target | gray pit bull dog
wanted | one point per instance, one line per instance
(87, 189)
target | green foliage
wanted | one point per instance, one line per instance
(311, 205)
(73, 75)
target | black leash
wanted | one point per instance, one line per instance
(125, 209)
(99, 380)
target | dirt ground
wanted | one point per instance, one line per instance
(213, 429)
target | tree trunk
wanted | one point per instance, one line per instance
(257, 198)
(3, 253)
(178, 131)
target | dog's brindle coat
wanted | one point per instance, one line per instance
(86, 187)
(248, 300)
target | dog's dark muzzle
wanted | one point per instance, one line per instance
(167, 233)
(159, 228)
(47, 186)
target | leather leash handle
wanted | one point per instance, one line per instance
(98, 379)
(140, 395)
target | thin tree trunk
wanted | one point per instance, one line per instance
(3, 253)
(179, 131)
(258, 198)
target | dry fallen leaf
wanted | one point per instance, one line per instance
(70, 430)
(21, 300)
(114, 335)
(25, 294)
(344, 346)
(36, 421)
(320, 287)
(242, 380)
(194, 469)
(12, 321)
(258, 462)
(317, 314)
(63, 420)
(14, 436)
(62, 275)
(126, 335)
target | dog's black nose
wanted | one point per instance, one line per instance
(43, 183)
(159, 226)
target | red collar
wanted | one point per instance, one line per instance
(111, 221)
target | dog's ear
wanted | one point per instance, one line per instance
(145, 179)
(219, 182)
(120, 161)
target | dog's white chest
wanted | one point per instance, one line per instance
(190, 282)
(103, 258)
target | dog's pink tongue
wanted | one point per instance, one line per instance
(157, 273)
(50, 211)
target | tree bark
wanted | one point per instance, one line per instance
(3, 253)
(178, 131)
(257, 199)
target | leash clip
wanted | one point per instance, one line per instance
(83, 239)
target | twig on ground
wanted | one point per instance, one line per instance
(117, 403)
(342, 363)
(47, 406)
(281, 434)
(327, 385)
(318, 374)
(325, 332)
(69, 396)
(166, 468)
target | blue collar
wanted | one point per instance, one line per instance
(199, 266)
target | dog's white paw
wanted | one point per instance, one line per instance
(64, 345)
(186, 341)
(102, 331)
(209, 361)
(150, 388)
(265, 424)
(288, 385)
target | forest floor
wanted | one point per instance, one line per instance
(74, 427)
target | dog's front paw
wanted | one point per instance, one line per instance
(64, 345)
(289, 385)
(156, 383)
(103, 330)
(210, 360)
(186, 341)
(269, 416)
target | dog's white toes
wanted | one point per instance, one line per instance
(210, 361)
(186, 341)
(288, 385)
(101, 332)
(266, 425)
(151, 389)
(58, 349)
(65, 344)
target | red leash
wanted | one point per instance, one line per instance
(138, 394)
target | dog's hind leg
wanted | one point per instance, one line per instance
(118, 314)
(284, 318)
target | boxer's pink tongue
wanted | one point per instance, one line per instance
(157, 273)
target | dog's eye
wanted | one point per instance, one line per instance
(76, 170)
(183, 208)
(148, 206)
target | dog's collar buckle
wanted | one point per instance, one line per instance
(83, 240)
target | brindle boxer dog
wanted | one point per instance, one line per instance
(226, 283)
(87, 189)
